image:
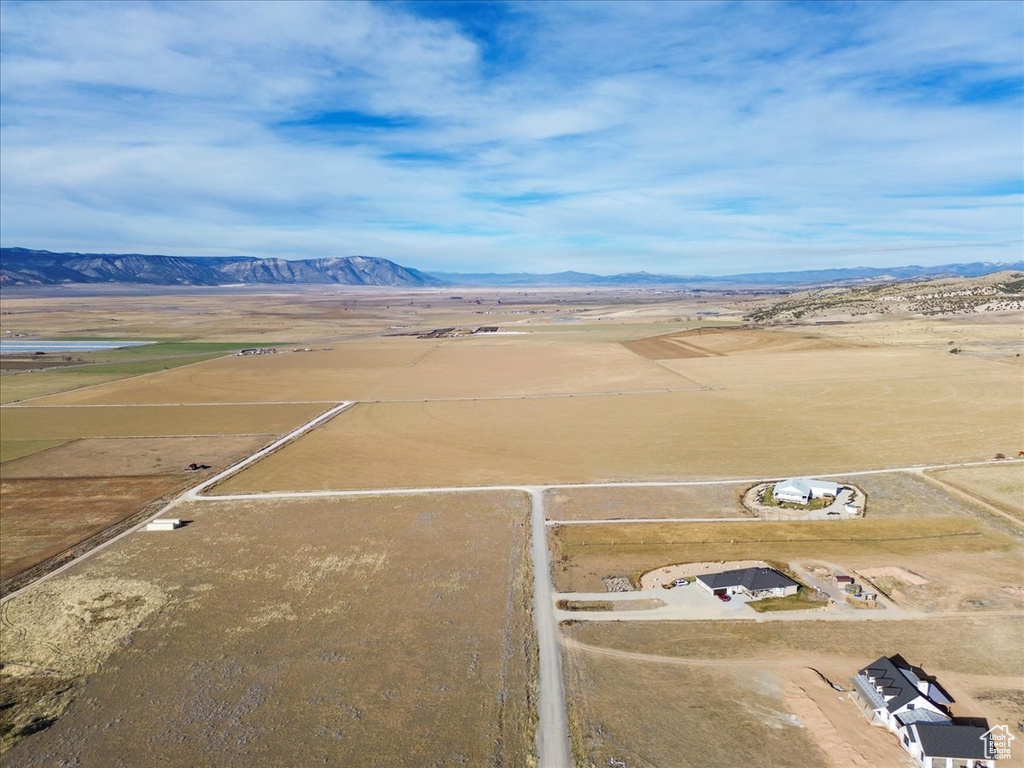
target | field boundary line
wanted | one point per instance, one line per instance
(161, 405)
(616, 520)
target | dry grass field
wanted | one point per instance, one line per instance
(34, 423)
(399, 369)
(758, 430)
(44, 516)
(657, 693)
(16, 449)
(902, 494)
(129, 456)
(722, 342)
(653, 715)
(1000, 486)
(645, 503)
(371, 632)
(969, 566)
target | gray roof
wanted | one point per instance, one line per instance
(867, 690)
(752, 579)
(957, 741)
(893, 681)
(912, 716)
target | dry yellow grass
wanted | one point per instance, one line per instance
(759, 430)
(1001, 486)
(582, 555)
(33, 423)
(128, 456)
(399, 368)
(993, 650)
(370, 632)
(657, 693)
(16, 449)
(649, 714)
(702, 501)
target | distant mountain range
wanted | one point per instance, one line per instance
(22, 266)
(778, 279)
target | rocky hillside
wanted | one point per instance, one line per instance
(21, 266)
(998, 292)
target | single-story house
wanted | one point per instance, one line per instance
(800, 490)
(755, 583)
(894, 694)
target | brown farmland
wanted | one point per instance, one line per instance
(42, 517)
(720, 342)
(372, 632)
(129, 456)
(757, 430)
(639, 502)
(1001, 485)
(35, 423)
(399, 369)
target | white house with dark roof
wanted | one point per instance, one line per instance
(753, 583)
(800, 490)
(894, 694)
(945, 744)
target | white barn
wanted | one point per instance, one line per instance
(800, 490)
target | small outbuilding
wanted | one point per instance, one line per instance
(165, 524)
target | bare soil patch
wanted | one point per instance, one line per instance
(42, 517)
(34, 423)
(371, 632)
(702, 501)
(124, 457)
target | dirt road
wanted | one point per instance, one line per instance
(552, 727)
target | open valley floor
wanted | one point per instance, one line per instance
(481, 548)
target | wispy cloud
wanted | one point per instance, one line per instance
(675, 137)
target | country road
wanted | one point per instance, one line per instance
(553, 726)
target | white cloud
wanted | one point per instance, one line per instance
(676, 137)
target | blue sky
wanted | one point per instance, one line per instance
(680, 137)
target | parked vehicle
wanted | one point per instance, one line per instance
(680, 583)
(724, 598)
